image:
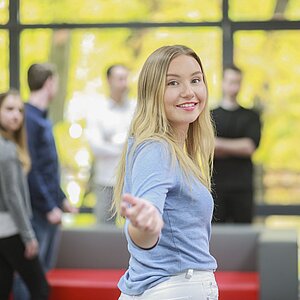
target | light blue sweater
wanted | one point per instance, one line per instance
(186, 208)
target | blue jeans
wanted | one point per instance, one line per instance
(48, 237)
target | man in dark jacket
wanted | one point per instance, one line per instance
(47, 199)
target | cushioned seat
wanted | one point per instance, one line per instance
(76, 284)
(238, 285)
(81, 284)
(253, 263)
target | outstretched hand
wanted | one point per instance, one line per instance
(142, 214)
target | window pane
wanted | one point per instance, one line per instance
(3, 11)
(258, 10)
(292, 11)
(48, 11)
(4, 75)
(271, 62)
(35, 46)
(93, 51)
(87, 56)
(241, 10)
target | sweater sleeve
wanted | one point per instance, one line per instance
(12, 194)
(151, 173)
(42, 190)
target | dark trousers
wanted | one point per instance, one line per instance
(233, 206)
(48, 238)
(12, 259)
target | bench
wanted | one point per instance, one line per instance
(253, 263)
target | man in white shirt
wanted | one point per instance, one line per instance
(107, 132)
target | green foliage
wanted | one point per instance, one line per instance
(257, 10)
(60, 11)
(292, 11)
(4, 82)
(186, 11)
(100, 48)
(270, 61)
(3, 11)
(89, 11)
(241, 10)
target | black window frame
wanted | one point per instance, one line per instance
(229, 27)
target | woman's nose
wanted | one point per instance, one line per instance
(17, 115)
(187, 91)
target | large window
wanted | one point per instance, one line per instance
(90, 52)
(271, 62)
(84, 37)
(88, 55)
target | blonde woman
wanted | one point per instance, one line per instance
(163, 182)
(18, 244)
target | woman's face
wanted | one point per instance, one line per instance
(11, 113)
(185, 94)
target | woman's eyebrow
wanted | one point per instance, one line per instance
(193, 74)
(197, 72)
(173, 75)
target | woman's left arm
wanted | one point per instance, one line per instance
(151, 179)
(13, 197)
(145, 221)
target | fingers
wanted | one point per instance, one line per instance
(141, 213)
(130, 199)
(127, 202)
(131, 206)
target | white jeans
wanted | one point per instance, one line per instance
(190, 285)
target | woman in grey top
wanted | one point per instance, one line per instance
(18, 244)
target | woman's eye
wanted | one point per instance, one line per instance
(196, 80)
(173, 82)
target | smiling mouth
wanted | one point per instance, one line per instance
(187, 105)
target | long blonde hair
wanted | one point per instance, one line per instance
(150, 122)
(19, 136)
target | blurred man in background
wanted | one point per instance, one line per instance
(238, 135)
(47, 198)
(107, 130)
